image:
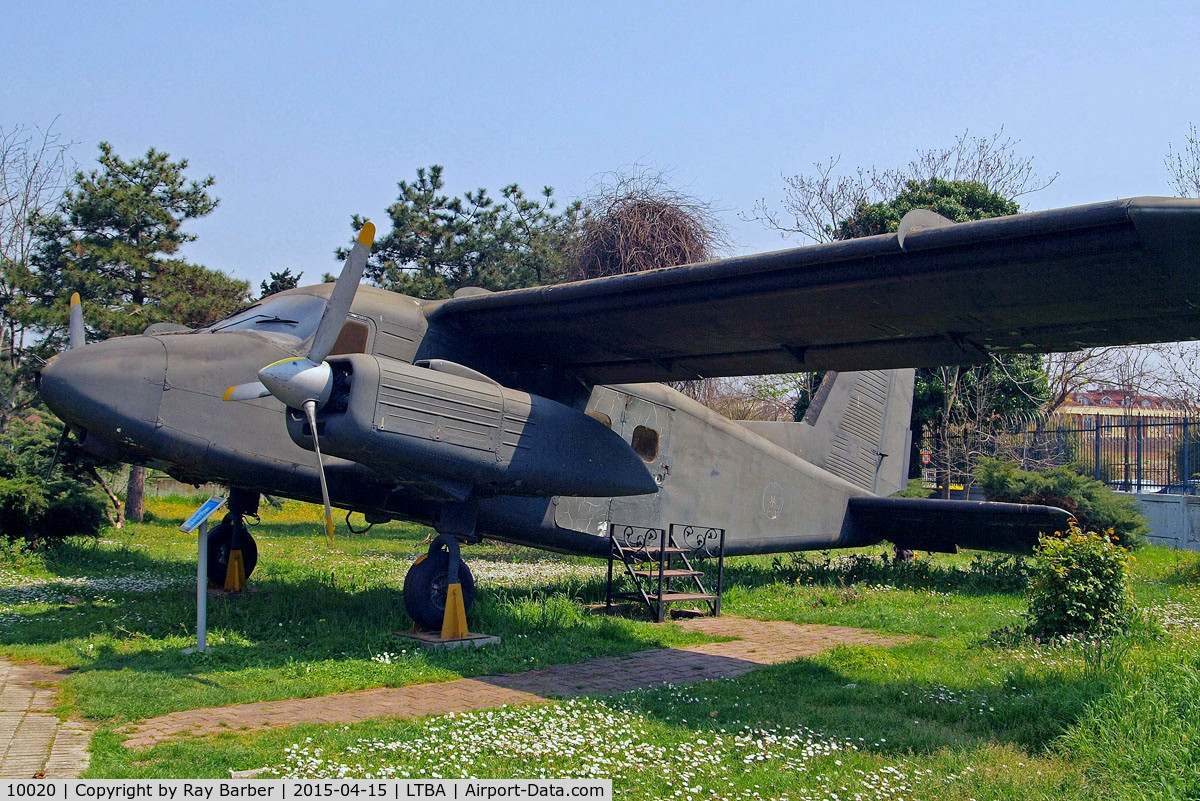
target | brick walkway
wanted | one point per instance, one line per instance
(34, 741)
(760, 643)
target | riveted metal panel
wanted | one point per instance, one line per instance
(440, 407)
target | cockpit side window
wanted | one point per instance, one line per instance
(352, 339)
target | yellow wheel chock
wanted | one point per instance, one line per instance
(235, 574)
(454, 623)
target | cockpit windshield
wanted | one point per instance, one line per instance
(295, 316)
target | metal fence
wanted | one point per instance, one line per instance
(1131, 454)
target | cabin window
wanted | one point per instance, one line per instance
(645, 443)
(352, 339)
(601, 416)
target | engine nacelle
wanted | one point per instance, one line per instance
(455, 424)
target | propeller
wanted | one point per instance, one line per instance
(241, 392)
(306, 382)
(76, 322)
(75, 340)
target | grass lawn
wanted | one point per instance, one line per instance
(957, 713)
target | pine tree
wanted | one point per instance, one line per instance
(115, 239)
(438, 244)
(280, 282)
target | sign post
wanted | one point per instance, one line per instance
(198, 522)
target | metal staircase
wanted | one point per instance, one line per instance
(654, 558)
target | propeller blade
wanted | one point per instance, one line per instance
(62, 440)
(338, 305)
(310, 409)
(76, 328)
(240, 392)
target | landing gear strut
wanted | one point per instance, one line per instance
(232, 552)
(437, 580)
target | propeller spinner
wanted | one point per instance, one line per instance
(306, 382)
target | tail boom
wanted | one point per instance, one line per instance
(945, 526)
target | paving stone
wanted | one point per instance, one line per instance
(32, 741)
(758, 643)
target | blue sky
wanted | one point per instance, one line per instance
(306, 113)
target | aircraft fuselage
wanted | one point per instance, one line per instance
(156, 399)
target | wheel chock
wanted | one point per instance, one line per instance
(454, 622)
(235, 574)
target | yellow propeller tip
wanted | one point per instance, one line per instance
(285, 361)
(74, 299)
(367, 234)
(228, 394)
(329, 526)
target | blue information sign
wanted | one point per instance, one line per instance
(203, 513)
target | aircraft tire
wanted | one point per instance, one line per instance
(425, 590)
(220, 541)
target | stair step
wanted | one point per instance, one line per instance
(667, 596)
(672, 573)
(685, 596)
(652, 554)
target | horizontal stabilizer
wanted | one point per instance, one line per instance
(918, 524)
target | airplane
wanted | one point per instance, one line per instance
(535, 416)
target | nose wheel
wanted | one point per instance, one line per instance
(220, 546)
(430, 582)
(232, 552)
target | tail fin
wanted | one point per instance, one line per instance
(857, 427)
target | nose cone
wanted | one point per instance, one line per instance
(111, 388)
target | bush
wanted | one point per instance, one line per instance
(36, 508)
(985, 573)
(1080, 586)
(1097, 507)
(916, 489)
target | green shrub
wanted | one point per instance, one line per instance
(985, 573)
(916, 489)
(1097, 507)
(1080, 586)
(34, 507)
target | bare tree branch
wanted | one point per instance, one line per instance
(1184, 166)
(815, 203)
(636, 220)
(34, 170)
(33, 176)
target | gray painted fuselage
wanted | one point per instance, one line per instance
(156, 399)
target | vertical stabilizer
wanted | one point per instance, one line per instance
(857, 427)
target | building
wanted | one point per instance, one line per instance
(1120, 403)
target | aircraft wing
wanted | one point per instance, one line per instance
(1120, 272)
